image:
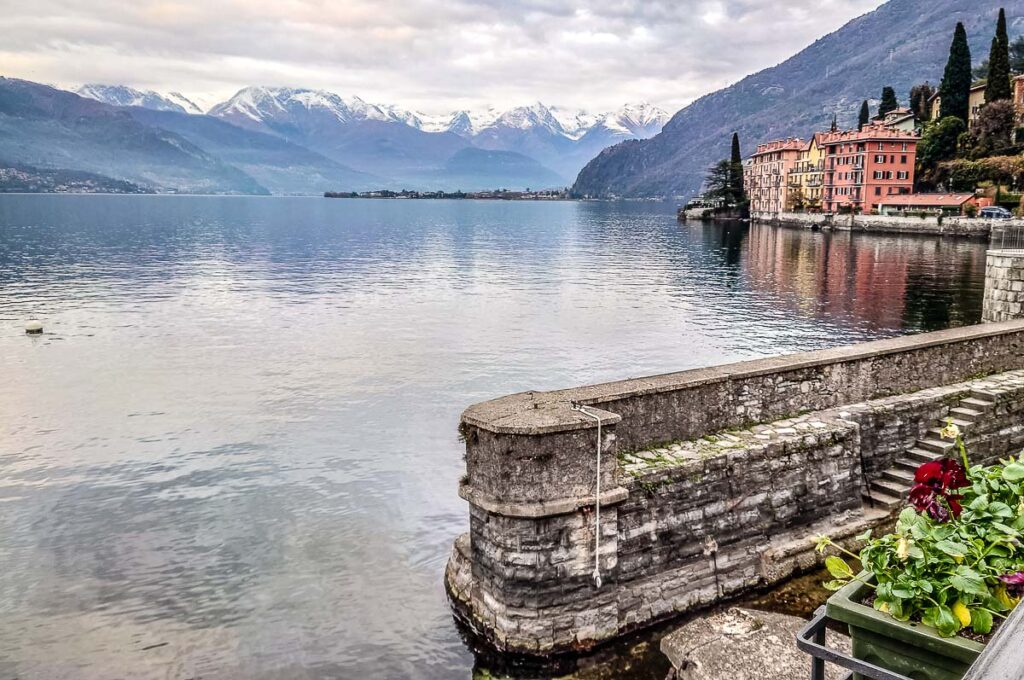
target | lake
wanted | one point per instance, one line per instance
(233, 453)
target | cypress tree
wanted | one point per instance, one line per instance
(865, 115)
(736, 169)
(998, 85)
(955, 90)
(889, 102)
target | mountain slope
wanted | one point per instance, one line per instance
(902, 43)
(121, 95)
(473, 169)
(52, 129)
(277, 164)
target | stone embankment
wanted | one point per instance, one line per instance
(712, 482)
(891, 224)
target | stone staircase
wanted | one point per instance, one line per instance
(891, 488)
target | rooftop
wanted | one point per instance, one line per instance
(953, 200)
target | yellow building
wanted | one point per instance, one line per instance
(805, 178)
(974, 103)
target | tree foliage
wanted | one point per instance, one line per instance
(736, 171)
(718, 182)
(998, 85)
(964, 175)
(940, 142)
(865, 115)
(889, 101)
(993, 131)
(955, 90)
(920, 101)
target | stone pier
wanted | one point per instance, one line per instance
(1004, 285)
(713, 481)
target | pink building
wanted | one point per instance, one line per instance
(866, 168)
(767, 175)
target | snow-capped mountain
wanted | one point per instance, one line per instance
(640, 120)
(121, 95)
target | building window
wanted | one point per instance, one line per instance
(903, 159)
(878, 191)
(881, 147)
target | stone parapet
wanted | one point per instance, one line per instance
(1004, 286)
(710, 480)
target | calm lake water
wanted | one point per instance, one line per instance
(233, 454)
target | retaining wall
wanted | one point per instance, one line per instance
(948, 226)
(522, 577)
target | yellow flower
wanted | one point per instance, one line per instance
(903, 549)
(950, 431)
(1005, 599)
(962, 613)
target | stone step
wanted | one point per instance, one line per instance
(922, 455)
(908, 464)
(963, 414)
(982, 403)
(938, 445)
(968, 414)
(889, 487)
(964, 425)
(877, 499)
(900, 475)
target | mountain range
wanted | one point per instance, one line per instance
(294, 140)
(900, 44)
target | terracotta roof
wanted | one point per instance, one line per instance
(927, 199)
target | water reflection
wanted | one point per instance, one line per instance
(233, 453)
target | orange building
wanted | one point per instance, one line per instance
(767, 175)
(863, 168)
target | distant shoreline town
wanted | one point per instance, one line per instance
(491, 195)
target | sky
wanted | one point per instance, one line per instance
(432, 56)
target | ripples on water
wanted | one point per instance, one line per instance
(233, 453)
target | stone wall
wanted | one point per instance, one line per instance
(947, 226)
(683, 460)
(1004, 285)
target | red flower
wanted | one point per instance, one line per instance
(1014, 583)
(934, 489)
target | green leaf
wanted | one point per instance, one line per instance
(915, 552)
(952, 548)
(981, 621)
(945, 621)
(925, 586)
(866, 536)
(833, 585)
(1014, 472)
(966, 580)
(838, 567)
(909, 517)
(1000, 510)
(1010, 531)
(979, 503)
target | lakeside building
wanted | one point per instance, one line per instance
(974, 103)
(864, 167)
(767, 177)
(806, 178)
(947, 204)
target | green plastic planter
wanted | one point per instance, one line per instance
(910, 649)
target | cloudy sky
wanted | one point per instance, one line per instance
(430, 55)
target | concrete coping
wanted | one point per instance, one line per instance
(537, 413)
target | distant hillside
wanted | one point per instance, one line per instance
(20, 178)
(902, 43)
(56, 130)
(473, 169)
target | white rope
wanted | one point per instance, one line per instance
(597, 497)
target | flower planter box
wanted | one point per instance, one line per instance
(910, 649)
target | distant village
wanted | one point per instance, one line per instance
(494, 194)
(953, 151)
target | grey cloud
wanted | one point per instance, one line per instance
(426, 54)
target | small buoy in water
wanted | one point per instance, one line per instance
(34, 327)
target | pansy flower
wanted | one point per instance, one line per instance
(934, 490)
